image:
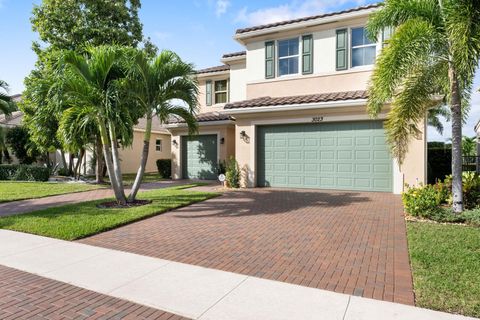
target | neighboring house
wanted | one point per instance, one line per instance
(159, 147)
(291, 108)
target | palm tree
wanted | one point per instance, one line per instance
(7, 105)
(430, 59)
(164, 87)
(93, 90)
(469, 146)
(433, 117)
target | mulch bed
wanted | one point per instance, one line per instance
(115, 205)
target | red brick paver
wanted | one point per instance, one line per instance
(27, 296)
(348, 242)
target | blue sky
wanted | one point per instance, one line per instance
(200, 31)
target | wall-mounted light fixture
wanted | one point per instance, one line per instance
(222, 140)
(243, 134)
(174, 142)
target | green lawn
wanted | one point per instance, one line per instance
(446, 267)
(129, 178)
(76, 221)
(11, 190)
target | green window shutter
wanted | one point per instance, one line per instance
(307, 54)
(269, 59)
(342, 50)
(208, 92)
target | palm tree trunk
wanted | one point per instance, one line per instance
(107, 153)
(99, 160)
(456, 107)
(64, 160)
(143, 160)
(116, 161)
(79, 164)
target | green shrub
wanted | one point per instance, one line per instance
(471, 189)
(232, 175)
(164, 167)
(21, 172)
(442, 214)
(18, 139)
(423, 200)
(63, 172)
(222, 167)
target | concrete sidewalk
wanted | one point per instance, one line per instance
(187, 290)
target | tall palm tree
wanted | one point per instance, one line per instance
(430, 59)
(7, 105)
(93, 89)
(164, 86)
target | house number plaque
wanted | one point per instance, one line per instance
(317, 119)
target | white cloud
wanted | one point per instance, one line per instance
(291, 10)
(221, 7)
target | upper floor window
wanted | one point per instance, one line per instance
(221, 91)
(288, 56)
(363, 49)
(158, 145)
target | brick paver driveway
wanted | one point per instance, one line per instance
(349, 242)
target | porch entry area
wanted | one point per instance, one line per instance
(340, 155)
(199, 157)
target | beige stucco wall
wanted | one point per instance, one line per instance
(340, 81)
(413, 169)
(238, 81)
(202, 100)
(225, 150)
(414, 166)
(130, 156)
(324, 48)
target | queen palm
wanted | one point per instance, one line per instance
(164, 87)
(93, 90)
(6, 103)
(430, 60)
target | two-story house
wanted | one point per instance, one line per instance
(291, 108)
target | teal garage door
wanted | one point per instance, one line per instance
(345, 155)
(199, 157)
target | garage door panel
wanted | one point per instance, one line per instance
(199, 157)
(349, 155)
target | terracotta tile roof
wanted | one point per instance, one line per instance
(205, 117)
(13, 120)
(214, 69)
(303, 99)
(282, 23)
(234, 54)
(156, 125)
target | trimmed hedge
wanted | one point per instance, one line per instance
(164, 167)
(23, 172)
(439, 164)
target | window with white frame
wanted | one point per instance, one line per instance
(288, 56)
(221, 91)
(363, 49)
(158, 145)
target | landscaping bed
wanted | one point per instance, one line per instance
(12, 191)
(444, 246)
(81, 220)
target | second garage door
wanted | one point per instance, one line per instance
(346, 155)
(199, 157)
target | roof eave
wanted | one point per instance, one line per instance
(200, 123)
(241, 37)
(211, 74)
(296, 107)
